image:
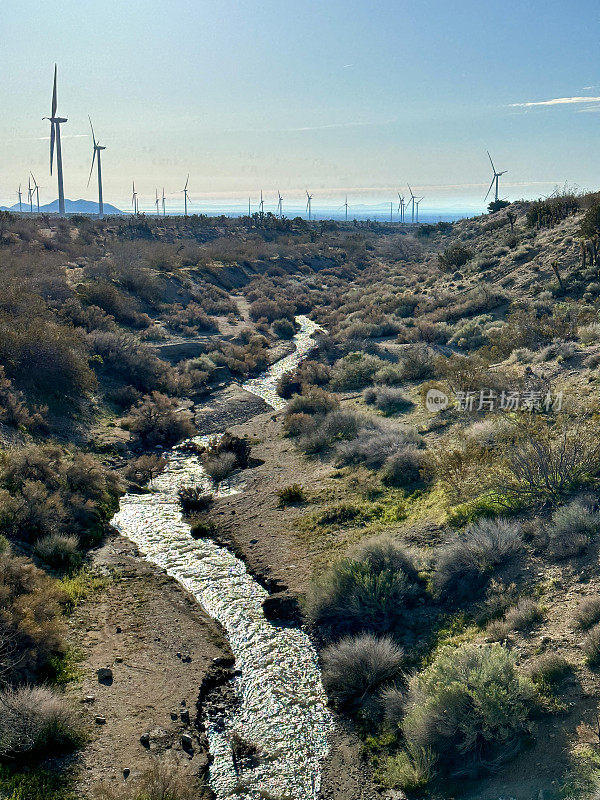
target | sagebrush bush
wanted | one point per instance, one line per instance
(159, 782)
(313, 400)
(355, 668)
(571, 528)
(464, 564)
(591, 646)
(373, 446)
(470, 707)
(370, 592)
(160, 420)
(194, 499)
(59, 551)
(550, 669)
(411, 769)
(587, 613)
(35, 721)
(388, 399)
(404, 468)
(220, 466)
(354, 371)
(520, 617)
(294, 493)
(336, 426)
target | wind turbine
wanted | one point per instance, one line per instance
(279, 204)
(20, 195)
(261, 205)
(30, 195)
(156, 202)
(494, 179)
(163, 202)
(346, 207)
(412, 200)
(36, 189)
(185, 194)
(417, 205)
(134, 200)
(98, 148)
(55, 123)
(391, 212)
(401, 205)
(309, 198)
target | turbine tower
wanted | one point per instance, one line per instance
(346, 207)
(412, 200)
(36, 189)
(185, 195)
(30, 195)
(279, 204)
(55, 123)
(261, 205)
(163, 202)
(391, 212)
(156, 202)
(494, 179)
(309, 198)
(134, 200)
(98, 148)
(20, 196)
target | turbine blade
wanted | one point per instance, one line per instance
(490, 189)
(187, 180)
(92, 167)
(491, 162)
(92, 127)
(54, 100)
(52, 138)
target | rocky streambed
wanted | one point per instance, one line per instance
(281, 718)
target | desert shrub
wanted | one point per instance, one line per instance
(230, 443)
(521, 617)
(465, 563)
(355, 668)
(35, 721)
(591, 646)
(373, 446)
(588, 613)
(403, 468)
(337, 426)
(219, 467)
(59, 551)
(194, 499)
(549, 212)
(296, 424)
(560, 350)
(354, 371)
(385, 552)
(308, 373)
(312, 401)
(145, 468)
(411, 769)
(158, 782)
(368, 595)
(201, 527)
(417, 362)
(590, 224)
(470, 707)
(387, 399)
(571, 528)
(590, 333)
(550, 669)
(294, 493)
(283, 328)
(454, 257)
(159, 420)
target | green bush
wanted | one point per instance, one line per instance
(59, 551)
(355, 668)
(294, 493)
(411, 769)
(591, 646)
(312, 401)
(160, 420)
(470, 707)
(550, 669)
(354, 371)
(454, 257)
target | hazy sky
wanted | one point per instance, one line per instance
(332, 96)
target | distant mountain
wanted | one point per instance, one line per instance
(71, 207)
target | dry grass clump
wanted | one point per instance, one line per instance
(523, 616)
(355, 668)
(591, 646)
(411, 769)
(587, 613)
(59, 551)
(159, 782)
(571, 528)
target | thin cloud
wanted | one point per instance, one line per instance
(556, 101)
(329, 127)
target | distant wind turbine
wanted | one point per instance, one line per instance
(391, 212)
(279, 204)
(346, 207)
(401, 205)
(55, 123)
(309, 198)
(134, 200)
(185, 194)
(163, 202)
(36, 189)
(157, 202)
(417, 207)
(494, 179)
(30, 195)
(98, 148)
(261, 205)
(412, 200)
(20, 196)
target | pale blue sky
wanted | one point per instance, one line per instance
(330, 95)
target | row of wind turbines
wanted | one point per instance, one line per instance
(160, 202)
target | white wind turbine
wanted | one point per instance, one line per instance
(417, 201)
(134, 199)
(185, 194)
(279, 204)
(20, 196)
(156, 202)
(494, 179)
(30, 195)
(261, 204)
(346, 207)
(412, 200)
(401, 205)
(309, 198)
(55, 123)
(163, 202)
(98, 148)
(36, 189)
